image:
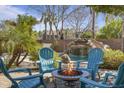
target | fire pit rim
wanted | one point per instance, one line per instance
(56, 75)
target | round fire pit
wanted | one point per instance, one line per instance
(69, 78)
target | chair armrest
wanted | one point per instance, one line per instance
(28, 77)
(107, 76)
(100, 63)
(38, 61)
(81, 61)
(78, 64)
(20, 70)
(85, 69)
(60, 63)
(93, 83)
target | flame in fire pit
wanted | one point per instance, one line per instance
(70, 71)
(69, 68)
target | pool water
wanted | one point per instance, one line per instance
(76, 58)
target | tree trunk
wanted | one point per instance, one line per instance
(51, 31)
(122, 46)
(61, 32)
(53, 35)
(22, 59)
(12, 60)
(14, 56)
(45, 31)
(1, 48)
(19, 54)
(56, 27)
(62, 25)
(93, 24)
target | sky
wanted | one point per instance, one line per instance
(11, 12)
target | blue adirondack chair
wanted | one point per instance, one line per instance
(95, 57)
(119, 80)
(30, 81)
(46, 63)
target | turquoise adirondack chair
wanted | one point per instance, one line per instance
(95, 57)
(119, 80)
(30, 81)
(46, 63)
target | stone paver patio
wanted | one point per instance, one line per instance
(5, 83)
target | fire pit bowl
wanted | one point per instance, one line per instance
(70, 73)
(70, 78)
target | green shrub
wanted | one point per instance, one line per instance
(112, 59)
(56, 58)
(34, 56)
(87, 34)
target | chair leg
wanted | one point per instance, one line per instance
(83, 85)
(42, 81)
(98, 75)
(54, 82)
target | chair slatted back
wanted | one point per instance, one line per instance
(95, 56)
(46, 58)
(46, 53)
(120, 77)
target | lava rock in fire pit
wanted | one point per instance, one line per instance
(70, 73)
